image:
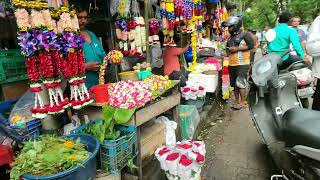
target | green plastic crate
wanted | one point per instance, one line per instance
(12, 66)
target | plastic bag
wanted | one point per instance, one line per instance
(171, 126)
(156, 56)
(242, 82)
(22, 108)
(114, 4)
(135, 8)
(313, 41)
(189, 120)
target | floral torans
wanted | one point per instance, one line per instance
(51, 43)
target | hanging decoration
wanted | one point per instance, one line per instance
(168, 21)
(195, 26)
(153, 32)
(51, 48)
(130, 30)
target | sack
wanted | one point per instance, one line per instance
(313, 41)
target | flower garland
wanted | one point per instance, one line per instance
(113, 57)
(35, 38)
(72, 58)
(131, 32)
(51, 48)
(168, 21)
(154, 31)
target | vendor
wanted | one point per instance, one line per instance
(171, 61)
(93, 51)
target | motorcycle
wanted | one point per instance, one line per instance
(290, 132)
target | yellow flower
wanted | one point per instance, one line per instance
(73, 158)
(72, 50)
(68, 144)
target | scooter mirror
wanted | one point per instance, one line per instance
(271, 35)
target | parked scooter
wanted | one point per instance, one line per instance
(305, 88)
(290, 132)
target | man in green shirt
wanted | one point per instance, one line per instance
(285, 36)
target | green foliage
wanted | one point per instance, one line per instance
(49, 155)
(104, 129)
(265, 12)
(307, 10)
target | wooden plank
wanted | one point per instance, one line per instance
(12, 91)
(145, 114)
(152, 137)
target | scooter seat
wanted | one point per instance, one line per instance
(301, 127)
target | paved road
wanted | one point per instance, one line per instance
(235, 151)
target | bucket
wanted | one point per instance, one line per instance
(101, 94)
(144, 74)
(81, 172)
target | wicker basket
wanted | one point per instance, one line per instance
(129, 75)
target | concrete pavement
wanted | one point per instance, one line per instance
(234, 148)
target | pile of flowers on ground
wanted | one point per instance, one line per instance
(184, 161)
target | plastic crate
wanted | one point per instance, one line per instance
(31, 130)
(12, 66)
(115, 154)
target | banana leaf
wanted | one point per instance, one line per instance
(122, 116)
(108, 113)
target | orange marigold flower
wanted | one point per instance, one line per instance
(68, 144)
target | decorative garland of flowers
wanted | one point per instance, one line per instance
(72, 63)
(131, 31)
(154, 31)
(168, 21)
(35, 39)
(113, 57)
(51, 48)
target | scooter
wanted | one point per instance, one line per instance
(290, 132)
(305, 88)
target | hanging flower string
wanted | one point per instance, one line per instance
(34, 39)
(113, 57)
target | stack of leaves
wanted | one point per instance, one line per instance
(158, 84)
(48, 156)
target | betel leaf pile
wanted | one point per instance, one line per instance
(48, 156)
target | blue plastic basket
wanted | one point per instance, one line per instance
(31, 130)
(115, 154)
(85, 172)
